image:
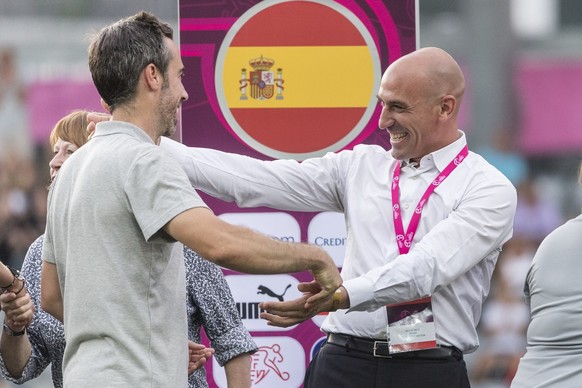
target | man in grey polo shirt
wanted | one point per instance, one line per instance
(112, 272)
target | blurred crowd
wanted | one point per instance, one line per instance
(23, 193)
(23, 171)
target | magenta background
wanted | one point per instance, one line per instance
(49, 101)
(203, 26)
(550, 110)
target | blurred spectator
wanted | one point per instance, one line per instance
(22, 189)
(22, 214)
(514, 263)
(14, 131)
(502, 332)
(503, 155)
(535, 217)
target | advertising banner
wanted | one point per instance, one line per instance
(286, 79)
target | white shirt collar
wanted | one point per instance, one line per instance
(441, 158)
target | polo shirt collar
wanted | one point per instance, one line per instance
(121, 127)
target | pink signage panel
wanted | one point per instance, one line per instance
(551, 118)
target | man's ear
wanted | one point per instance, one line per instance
(447, 106)
(153, 77)
(105, 106)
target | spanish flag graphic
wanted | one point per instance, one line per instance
(296, 79)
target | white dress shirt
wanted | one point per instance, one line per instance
(463, 226)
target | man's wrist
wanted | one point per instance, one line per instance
(336, 299)
(14, 333)
(17, 284)
(340, 299)
(6, 287)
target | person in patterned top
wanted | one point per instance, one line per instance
(209, 304)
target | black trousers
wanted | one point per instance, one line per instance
(337, 366)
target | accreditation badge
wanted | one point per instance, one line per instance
(411, 326)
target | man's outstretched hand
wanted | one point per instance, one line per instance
(292, 312)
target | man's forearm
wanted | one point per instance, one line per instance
(15, 352)
(243, 249)
(8, 281)
(268, 255)
(238, 371)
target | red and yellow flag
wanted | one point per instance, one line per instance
(297, 78)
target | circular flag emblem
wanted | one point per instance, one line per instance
(297, 79)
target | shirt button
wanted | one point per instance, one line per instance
(415, 177)
(405, 206)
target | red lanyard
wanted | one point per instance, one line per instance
(405, 240)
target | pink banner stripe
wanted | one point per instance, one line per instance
(210, 24)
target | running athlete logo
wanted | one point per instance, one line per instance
(266, 360)
(279, 362)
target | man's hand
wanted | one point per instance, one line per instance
(18, 309)
(292, 312)
(198, 354)
(327, 280)
(93, 118)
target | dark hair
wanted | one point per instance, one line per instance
(119, 52)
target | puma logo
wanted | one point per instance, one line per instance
(267, 291)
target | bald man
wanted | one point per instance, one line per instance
(425, 220)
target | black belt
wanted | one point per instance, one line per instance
(380, 348)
